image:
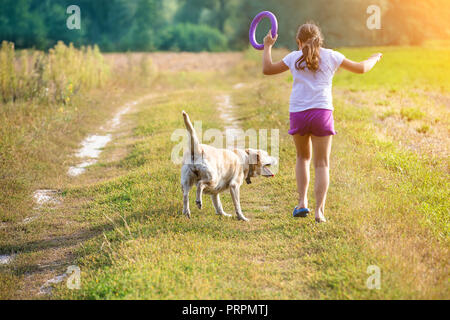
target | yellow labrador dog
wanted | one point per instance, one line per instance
(215, 170)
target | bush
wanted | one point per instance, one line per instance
(190, 37)
(55, 76)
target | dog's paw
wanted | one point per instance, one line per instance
(198, 203)
(187, 214)
(242, 218)
(223, 213)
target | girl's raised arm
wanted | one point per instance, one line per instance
(268, 66)
(363, 66)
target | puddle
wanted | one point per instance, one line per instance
(93, 145)
(118, 117)
(47, 287)
(80, 168)
(43, 197)
(116, 120)
(46, 196)
(5, 259)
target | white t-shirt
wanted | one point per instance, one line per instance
(313, 90)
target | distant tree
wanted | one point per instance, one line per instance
(107, 22)
(145, 23)
(54, 16)
(190, 10)
(191, 37)
(21, 26)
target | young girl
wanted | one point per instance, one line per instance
(311, 107)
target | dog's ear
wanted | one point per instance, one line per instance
(253, 157)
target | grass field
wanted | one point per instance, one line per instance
(121, 222)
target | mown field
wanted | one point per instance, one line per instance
(121, 222)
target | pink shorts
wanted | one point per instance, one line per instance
(317, 122)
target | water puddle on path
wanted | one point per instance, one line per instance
(46, 196)
(47, 287)
(89, 151)
(6, 259)
(43, 198)
(92, 146)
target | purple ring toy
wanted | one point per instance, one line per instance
(254, 25)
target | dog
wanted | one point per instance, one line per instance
(215, 170)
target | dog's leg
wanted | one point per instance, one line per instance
(234, 190)
(186, 185)
(218, 205)
(198, 200)
(186, 210)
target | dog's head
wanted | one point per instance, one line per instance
(259, 162)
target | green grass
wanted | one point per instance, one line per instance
(417, 68)
(206, 257)
(386, 206)
(39, 135)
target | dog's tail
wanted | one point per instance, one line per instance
(194, 144)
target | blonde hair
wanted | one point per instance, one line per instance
(311, 38)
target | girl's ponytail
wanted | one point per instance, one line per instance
(310, 37)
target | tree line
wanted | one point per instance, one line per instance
(216, 25)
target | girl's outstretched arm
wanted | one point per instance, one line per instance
(363, 66)
(268, 66)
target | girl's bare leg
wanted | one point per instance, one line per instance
(303, 147)
(321, 149)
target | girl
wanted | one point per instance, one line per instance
(311, 107)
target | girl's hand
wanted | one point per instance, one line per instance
(268, 40)
(377, 55)
(268, 66)
(363, 66)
